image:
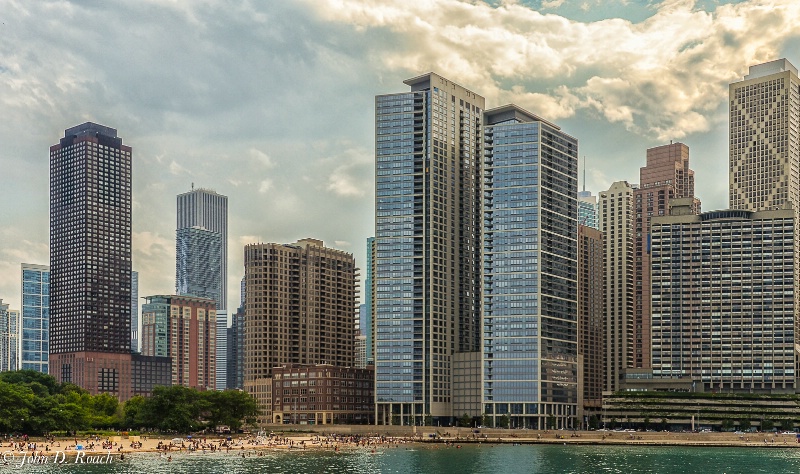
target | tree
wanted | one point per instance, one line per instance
(551, 422)
(664, 424)
(502, 422)
(465, 421)
(787, 424)
(133, 411)
(487, 421)
(767, 425)
(646, 422)
(727, 424)
(744, 424)
(594, 422)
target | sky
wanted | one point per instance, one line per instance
(272, 103)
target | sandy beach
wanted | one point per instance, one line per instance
(450, 437)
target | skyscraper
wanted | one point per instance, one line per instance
(135, 311)
(9, 338)
(202, 259)
(616, 224)
(587, 209)
(35, 333)
(764, 143)
(530, 326)
(429, 145)
(591, 320)
(90, 260)
(299, 308)
(666, 176)
(198, 264)
(368, 308)
(724, 299)
(205, 209)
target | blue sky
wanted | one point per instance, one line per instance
(271, 103)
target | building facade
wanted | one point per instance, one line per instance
(135, 311)
(205, 209)
(198, 264)
(221, 358)
(616, 219)
(9, 338)
(299, 307)
(34, 344)
(90, 260)
(367, 319)
(182, 328)
(764, 143)
(429, 144)
(235, 347)
(530, 326)
(322, 394)
(591, 321)
(666, 176)
(724, 299)
(587, 209)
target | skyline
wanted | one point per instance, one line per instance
(250, 102)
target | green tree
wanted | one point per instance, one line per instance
(487, 421)
(727, 424)
(231, 408)
(744, 424)
(175, 408)
(465, 421)
(767, 425)
(613, 424)
(664, 424)
(29, 377)
(787, 424)
(502, 422)
(551, 422)
(594, 422)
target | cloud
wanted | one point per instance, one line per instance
(262, 158)
(176, 169)
(663, 77)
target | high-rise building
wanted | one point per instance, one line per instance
(182, 328)
(724, 298)
(368, 308)
(135, 311)
(666, 176)
(198, 263)
(204, 209)
(429, 147)
(201, 259)
(764, 143)
(616, 223)
(530, 253)
(9, 338)
(90, 260)
(235, 356)
(299, 307)
(591, 320)
(587, 209)
(221, 363)
(34, 347)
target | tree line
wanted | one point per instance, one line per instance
(34, 403)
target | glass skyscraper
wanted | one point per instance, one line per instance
(428, 149)
(35, 337)
(198, 262)
(530, 332)
(9, 342)
(367, 309)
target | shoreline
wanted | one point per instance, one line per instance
(292, 442)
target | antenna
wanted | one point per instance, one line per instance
(192, 185)
(584, 172)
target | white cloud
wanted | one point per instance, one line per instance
(662, 78)
(262, 158)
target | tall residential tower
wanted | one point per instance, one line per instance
(429, 149)
(90, 260)
(35, 334)
(530, 253)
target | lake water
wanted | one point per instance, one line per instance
(494, 459)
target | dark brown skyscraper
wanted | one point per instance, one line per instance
(90, 260)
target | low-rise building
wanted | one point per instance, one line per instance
(322, 394)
